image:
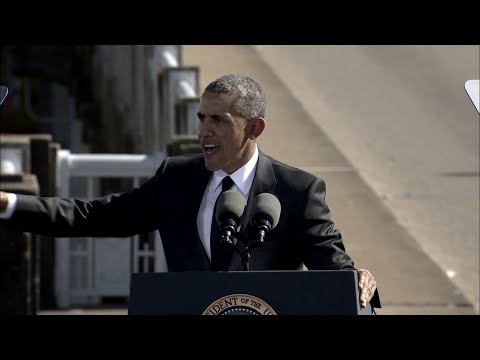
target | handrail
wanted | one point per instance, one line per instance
(112, 165)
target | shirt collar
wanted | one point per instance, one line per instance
(243, 177)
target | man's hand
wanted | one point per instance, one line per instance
(3, 201)
(367, 286)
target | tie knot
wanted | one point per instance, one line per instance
(227, 183)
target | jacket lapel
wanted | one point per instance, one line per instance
(202, 178)
(264, 182)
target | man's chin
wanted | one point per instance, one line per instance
(211, 166)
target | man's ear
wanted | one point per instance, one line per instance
(257, 125)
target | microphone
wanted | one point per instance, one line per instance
(230, 207)
(265, 215)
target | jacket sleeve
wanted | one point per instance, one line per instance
(119, 215)
(322, 244)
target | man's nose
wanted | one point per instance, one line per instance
(205, 128)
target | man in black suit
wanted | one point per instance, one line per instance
(179, 199)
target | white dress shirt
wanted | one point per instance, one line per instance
(243, 179)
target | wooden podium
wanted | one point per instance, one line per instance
(311, 292)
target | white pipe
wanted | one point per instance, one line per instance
(167, 60)
(114, 165)
(185, 90)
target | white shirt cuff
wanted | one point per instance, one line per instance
(12, 204)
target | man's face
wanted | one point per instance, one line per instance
(223, 134)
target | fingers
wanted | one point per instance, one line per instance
(366, 294)
(3, 201)
(366, 285)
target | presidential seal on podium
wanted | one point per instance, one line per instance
(239, 304)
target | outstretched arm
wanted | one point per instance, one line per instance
(119, 215)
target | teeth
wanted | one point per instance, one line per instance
(210, 146)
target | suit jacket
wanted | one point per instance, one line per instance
(169, 202)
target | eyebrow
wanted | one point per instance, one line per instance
(201, 115)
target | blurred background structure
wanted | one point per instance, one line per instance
(390, 129)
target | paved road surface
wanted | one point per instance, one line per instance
(401, 116)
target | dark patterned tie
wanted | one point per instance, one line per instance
(221, 254)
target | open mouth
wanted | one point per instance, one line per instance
(209, 149)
